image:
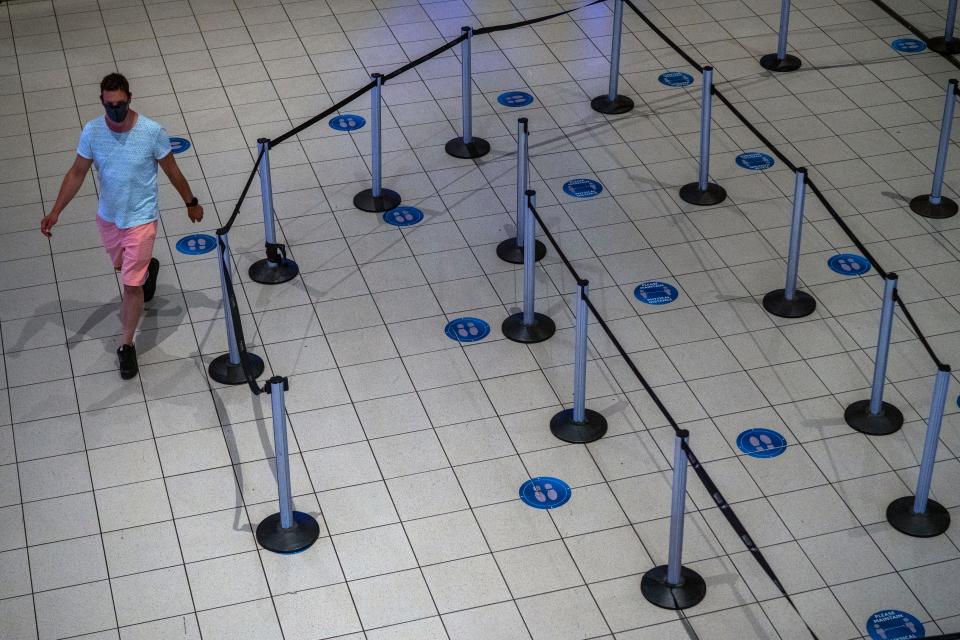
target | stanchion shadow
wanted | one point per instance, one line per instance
(232, 445)
(895, 196)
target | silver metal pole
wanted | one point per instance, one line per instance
(467, 85)
(784, 27)
(706, 116)
(883, 344)
(615, 49)
(529, 249)
(951, 18)
(940, 387)
(949, 106)
(223, 261)
(580, 355)
(523, 176)
(796, 230)
(266, 192)
(678, 501)
(375, 159)
(277, 387)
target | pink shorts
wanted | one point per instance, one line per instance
(129, 249)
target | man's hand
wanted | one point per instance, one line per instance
(46, 225)
(195, 213)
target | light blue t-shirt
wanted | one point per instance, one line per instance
(127, 168)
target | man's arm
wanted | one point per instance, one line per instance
(68, 189)
(179, 182)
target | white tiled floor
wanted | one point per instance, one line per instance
(127, 508)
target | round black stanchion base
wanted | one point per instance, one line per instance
(593, 427)
(771, 62)
(888, 421)
(687, 594)
(366, 202)
(477, 148)
(299, 537)
(266, 272)
(223, 372)
(922, 206)
(803, 304)
(603, 104)
(542, 328)
(715, 194)
(510, 251)
(934, 521)
(940, 45)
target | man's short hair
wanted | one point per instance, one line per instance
(115, 82)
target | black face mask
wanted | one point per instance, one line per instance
(117, 112)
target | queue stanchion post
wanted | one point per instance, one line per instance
(790, 302)
(467, 145)
(613, 103)
(946, 43)
(579, 424)
(875, 416)
(376, 199)
(703, 192)
(511, 249)
(276, 268)
(286, 531)
(936, 205)
(673, 586)
(528, 326)
(918, 515)
(781, 60)
(228, 368)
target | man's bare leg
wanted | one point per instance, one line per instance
(131, 308)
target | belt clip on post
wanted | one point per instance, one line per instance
(946, 43)
(673, 586)
(528, 326)
(789, 302)
(703, 192)
(918, 515)
(276, 267)
(874, 416)
(376, 199)
(511, 249)
(613, 103)
(288, 531)
(467, 146)
(579, 424)
(936, 205)
(781, 60)
(227, 368)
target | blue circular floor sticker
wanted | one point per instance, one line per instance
(908, 45)
(515, 99)
(347, 122)
(676, 79)
(179, 145)
(582, 188)
(761, 443)
(755, 161)
(467, 329)
(654, 292)
(403, 216)
(849, 264)
(197, 244)
(545, 493)
(894, 625)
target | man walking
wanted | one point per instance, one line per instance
(126, 148)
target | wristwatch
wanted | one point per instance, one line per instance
(193, 202)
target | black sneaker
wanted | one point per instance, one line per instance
(150, 286)
(128, 361)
